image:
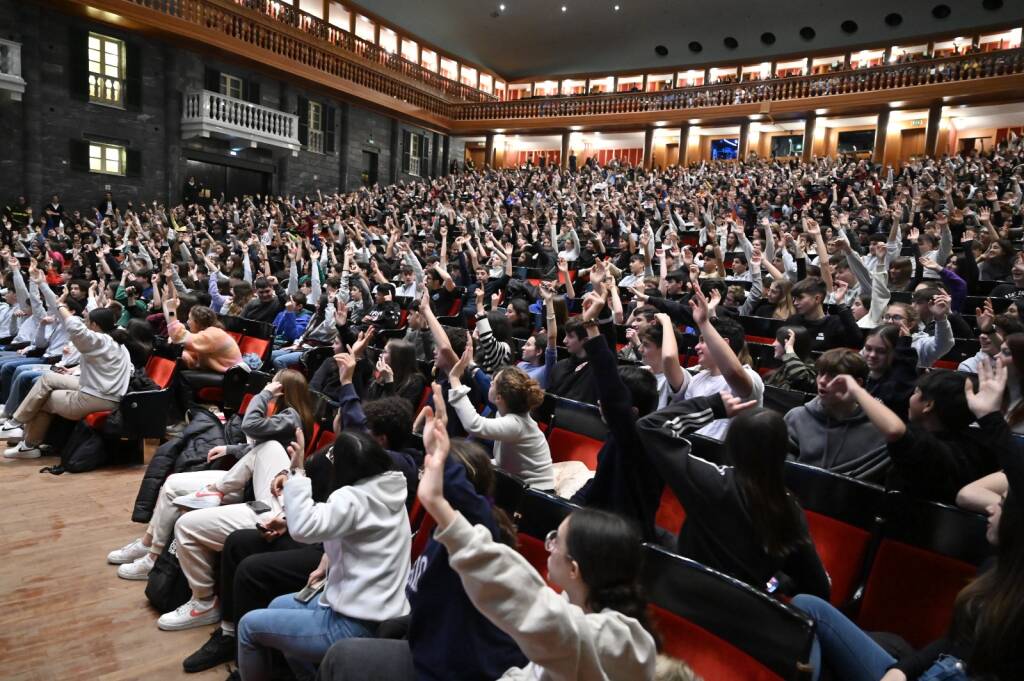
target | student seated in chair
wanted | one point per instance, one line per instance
(832, 431)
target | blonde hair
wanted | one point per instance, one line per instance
(671, 669)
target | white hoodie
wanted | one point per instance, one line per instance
(562, 642)
(365, 531)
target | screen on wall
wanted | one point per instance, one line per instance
(725, 149)
(854, 141)
(788, 145)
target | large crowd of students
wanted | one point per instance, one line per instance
(450, 307)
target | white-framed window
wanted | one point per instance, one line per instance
(106, 70)
(414, 154)
(232, 86)
(108, 159)
(316, 127)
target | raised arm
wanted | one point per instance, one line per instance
(725, 359)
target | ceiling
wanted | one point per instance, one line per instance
(536, 38)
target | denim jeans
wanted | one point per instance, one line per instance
(841, 643)
(24, 376)
(282, 359)
(946, 668)
(303, 632)
(7, 374)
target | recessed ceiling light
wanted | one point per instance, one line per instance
(501, 7)
(564, 8)
(616, 8)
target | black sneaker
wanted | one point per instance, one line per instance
(220, 649)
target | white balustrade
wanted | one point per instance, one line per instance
(206, 113)
(10, 68)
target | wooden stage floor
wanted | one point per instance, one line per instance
(66, 615)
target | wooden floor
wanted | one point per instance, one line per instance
(66, 615)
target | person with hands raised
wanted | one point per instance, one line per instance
(106, 369)
(365, 532)
(984, 638)
(596, 629)
(721, 343)
(520, 448)
(448, 638)
(937, 451)
(740, 518)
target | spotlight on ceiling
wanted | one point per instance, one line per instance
(660, 50)
(501, 8)
(616, 8)
(564, 8)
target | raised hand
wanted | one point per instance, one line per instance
(988, 397)
(985, 315)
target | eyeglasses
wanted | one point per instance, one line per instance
(893, 318)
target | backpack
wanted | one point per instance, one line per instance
(167, 588)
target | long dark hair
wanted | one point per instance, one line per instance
(757, 443)
(609, 553)
(403, 362)
(480, 472)
(1015, 342)
(357, 456)
(987, 612)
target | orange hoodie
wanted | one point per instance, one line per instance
(212, 348)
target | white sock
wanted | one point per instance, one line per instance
(228, 628)
(206, 603)
(149, 558)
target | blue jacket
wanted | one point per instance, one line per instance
(288, 326)
(448, 636)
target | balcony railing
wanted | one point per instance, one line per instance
(229, 19)
(946, 70)
(211, 113)
(10, 68)
(309, 47)
(338, 37)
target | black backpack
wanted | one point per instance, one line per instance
(167, 587)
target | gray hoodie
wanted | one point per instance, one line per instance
(850, 446)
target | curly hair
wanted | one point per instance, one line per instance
(390, 417)
(520, 392)
(204, 317)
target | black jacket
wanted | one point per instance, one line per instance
(718, 531)
(935, 466)
(831, 331)
(626, 482)
(184, 454)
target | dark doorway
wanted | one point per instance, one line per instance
(229, 180)
(371, 164)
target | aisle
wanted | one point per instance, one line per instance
(66, 615)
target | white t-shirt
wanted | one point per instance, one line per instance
(704, 384)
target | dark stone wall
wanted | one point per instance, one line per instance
(41, 127)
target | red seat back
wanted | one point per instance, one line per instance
(422, 536)
(160, 370)
(235, 335)
(843, 549)
(256, 346)
(569, 446)
(910, 591)
(671, 514)
(708, 655)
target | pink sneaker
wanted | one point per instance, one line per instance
(203, 498)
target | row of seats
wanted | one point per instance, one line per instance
(895, 561)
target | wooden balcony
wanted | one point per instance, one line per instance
(991, 74)
(302, 46)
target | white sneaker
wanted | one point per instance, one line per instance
(128, 553)
(191, 614)
(22, 452)
(201, 498)
(11, 433)
(138, 569)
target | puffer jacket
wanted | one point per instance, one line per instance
(184, 454)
